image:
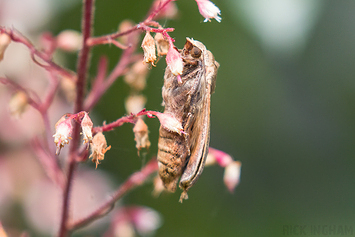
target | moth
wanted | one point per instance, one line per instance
(188, 101)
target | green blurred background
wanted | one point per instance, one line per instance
(283, 106)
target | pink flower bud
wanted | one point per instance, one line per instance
(148, 46)
(86, 126)
(174, 61)
(222, 158)
(232, 175)
(142, 219)
(98, 148)
(5, 40)
(170, 123)
(63, 130)
(69, 40)
(170, 11)
(208, 10)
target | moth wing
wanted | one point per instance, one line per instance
(199, 152)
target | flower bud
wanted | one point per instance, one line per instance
(170, 123)
(135, 103)
(63, 130)
(170, 11)
(222, 158)
(68, 87)
(232, 175)
(69, 40)
(86, 126)
(98, 148)
(18, 104)
(136, 77)
(162, 44)
(208, 10)
(174, 61)
(148, 46)
(123, 27)
(5, 40)
(141, 137)
(127, 220)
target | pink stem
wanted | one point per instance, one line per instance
(136, 179)
(83, 63)
(51, 66)
(119, 122)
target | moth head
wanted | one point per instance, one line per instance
(193, 49)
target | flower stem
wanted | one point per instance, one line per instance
(83, 64)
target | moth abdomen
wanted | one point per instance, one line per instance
(171, 157)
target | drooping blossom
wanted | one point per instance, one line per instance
(98, 148)
(141, 137)
(231, 167)
(63, 130)
(86, 126)
(70, 40)
(208, 10)
(174, 60)
(148, 46)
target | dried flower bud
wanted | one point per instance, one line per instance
(70, 40)
(5, 40)
(18, 104)
(162, 44)
(170, 11)
(170, 123)
(208, 10)
(98, 148)
(135, 103)
(68, 87)
(63, 130)
(136, 77)
(148, 46)
(232, 175)
(174, 61)
(86, 126)
(141, 137)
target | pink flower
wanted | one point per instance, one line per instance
(63, 130)
(208, 10)
(174, 61)
(169, 122)
(232, 175)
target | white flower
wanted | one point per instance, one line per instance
(86, 126)
(63, 130)
(208, 10)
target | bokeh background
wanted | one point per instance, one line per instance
(284, 106)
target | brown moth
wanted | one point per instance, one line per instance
(184, 154)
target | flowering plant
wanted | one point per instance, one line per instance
(76, 124)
